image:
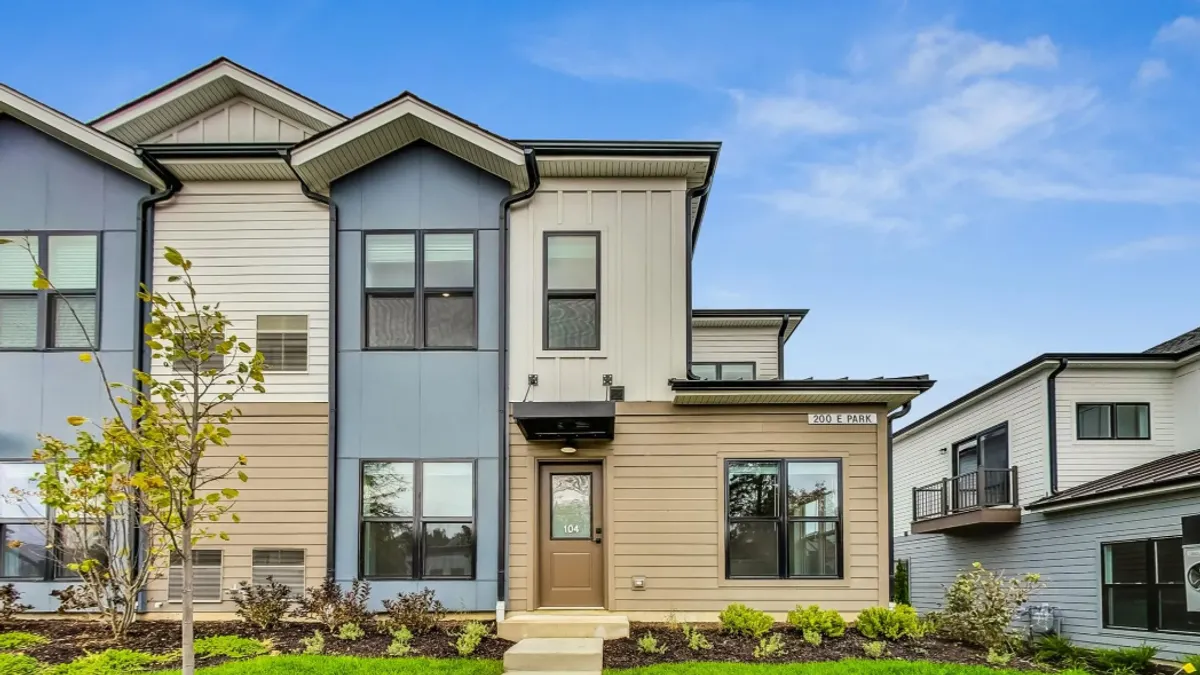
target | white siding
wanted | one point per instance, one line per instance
(919, 460)
(743, 345)
(643, 302)
(1083, 461)
(257, 248)
(1187, 407)
(238, 120)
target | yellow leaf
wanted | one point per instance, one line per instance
(41, 283)
(1189, 668)
(236, 518)
(223, 536)
(85, 358)
(76, 420)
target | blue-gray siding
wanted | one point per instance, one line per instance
(46, 186)
(421, 404)
(1065, 549)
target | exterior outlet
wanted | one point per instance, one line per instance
(638, 583)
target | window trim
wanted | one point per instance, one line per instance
(719, 365)
(417, 519)
(45, 321)
(220, 583)
(418, 293)
(1152, 586)
(572, 294)
(303, 566)
(307, 333)
(1112, 421)
(784, 520)
(53, 567)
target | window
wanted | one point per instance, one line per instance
(418, 520)
(283, 341)
(65, 318)
(572, 279)
(1112, 421)
(1143, 585)
(74, 544)
(284, 566)
(724, 371)
(206, 578)
(22, 523)
(784, 519)
(420, 302)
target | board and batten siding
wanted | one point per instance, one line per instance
(719, 344)
(1064, 548)
(919, 458)
(284, 502)
(1187, 406)
(1081, 461)
(664, 508)
(238, 120)
(643, 288)
(258, 248)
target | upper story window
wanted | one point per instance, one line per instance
(420, 290)
(724, 371)
(283, 341)
(1112, 421)
(64, 318)
(987, 449)
(572, 285)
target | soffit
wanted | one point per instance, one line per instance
(229, 169)
(892, 399)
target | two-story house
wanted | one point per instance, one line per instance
(1078, 467)
(484, 372)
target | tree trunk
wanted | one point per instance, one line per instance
(188, 637)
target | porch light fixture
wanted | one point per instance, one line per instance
(567, 450)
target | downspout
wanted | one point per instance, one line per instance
(1052, 420)
(144, 245)
(891, 535)
(331, 487)
(535, 181)
(782, 331)
(692, 193)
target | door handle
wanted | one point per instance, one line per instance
(597, 540)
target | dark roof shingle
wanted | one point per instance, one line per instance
(1178, 468)
(1178, 344)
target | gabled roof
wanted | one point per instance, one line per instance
(210, 85)
(1178, 344)
(1174, 472)
(749, 318)
(75, 134)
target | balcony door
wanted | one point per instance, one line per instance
(987, 450)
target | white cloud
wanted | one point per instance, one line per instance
(1185, 29)
(1150, 246)
(785, 113)
(1103, 188)
(956, 55)
(1151, 71)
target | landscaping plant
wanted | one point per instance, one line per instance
(334, 608)
(263, 605)
(1055, 650)
(111, 662)
(812, 637)
(18, 641)
(738, 619)
(900, 590)
(469, 637)
(420, 611)
(401, 642)
(648, 644)
(10, 604)
(826, 622)
(998, 658)
(980, 606)
(889, 624)
(875, 650)
(19, 664)
(769, 646)
(350, 631)
(230, 646)
(314, 645)
(1123, 661)
(695, 639)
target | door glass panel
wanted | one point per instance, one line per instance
(571, 506)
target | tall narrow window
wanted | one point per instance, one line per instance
(572, 279)
(22, 523)
(64, 317)
(283, 341)
(18, 298)
(72, 270)
(391, 286)
(449, 290)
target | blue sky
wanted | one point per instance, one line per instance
(950, 187)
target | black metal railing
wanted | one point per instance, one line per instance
(982, 488)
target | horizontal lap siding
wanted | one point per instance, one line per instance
(738, 345)
(664, 508)
(284, 502)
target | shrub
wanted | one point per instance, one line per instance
(1055, 649)
(825, 622)
(263, 605)
(981, 605)
(889, 624)
(875, 650)
(812, 637)
(73, 599)
(314, 645)
(18, 641)
(695, 639)
(19, 664)
(998, 658)
(770, 646)
(111, 662)
(331, 606)
(10, 604)
(1126, 661)
(401, 642)
(420, 611)
(648, 644)
(230, 646)
(470, 637)
(738, 619)
(350, 631)
(900, 590)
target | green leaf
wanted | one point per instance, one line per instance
(242, 476)
(172, 256)
(173, 278)
(236, 518)
(5, 241)
(229, 493)
(223, 536)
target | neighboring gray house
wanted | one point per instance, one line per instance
(1075, 466)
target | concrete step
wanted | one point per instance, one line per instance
(555, 655)
(517, 627)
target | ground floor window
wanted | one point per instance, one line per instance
(23, 553)
(418, 520)
(206, 576)
(783, 519)
(1143, 585)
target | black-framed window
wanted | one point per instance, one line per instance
(418, 520)
(783, 518)
(421, 290)
(725, 371)
(571, 278)
(1112, 421)
(64, 318)
(1142, 584)
(23, 553)
(283, 341)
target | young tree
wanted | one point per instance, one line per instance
(150, 456)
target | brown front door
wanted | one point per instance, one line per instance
(571, 565)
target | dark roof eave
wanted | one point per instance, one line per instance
(883, 384)
(216, 150)
(617, 148)
(1131, 491)
(766, 313)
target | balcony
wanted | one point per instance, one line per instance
(980, 501)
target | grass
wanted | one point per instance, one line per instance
(848, 667)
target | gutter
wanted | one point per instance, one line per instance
(144, 245)
(218, 151)
(783, 338)
(891, 535)
(535, 181)
(1052, 421)
(331, 488)
(691, 231)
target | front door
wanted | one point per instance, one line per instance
(571, 559)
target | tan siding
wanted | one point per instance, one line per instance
(237, 121)
(664, 507)
(277, 508)
(742, 345)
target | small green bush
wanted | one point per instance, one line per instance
(350, 631)
(19, 664)
(1055, 650)
(314, 645)
(770, 646)
(826, 622)
(890, 624)
(420, 611)
(1126, 661)
(1193, 659)
(812, 637)
(470, 637)
(263, 605)
(111, 662)
(230, 646)
(875, 650)
(981, 605)
(648, 644)
(997, 658)
(401, 642)
(900, 588)
(19, 641)
(738, 619)
(695, 639)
